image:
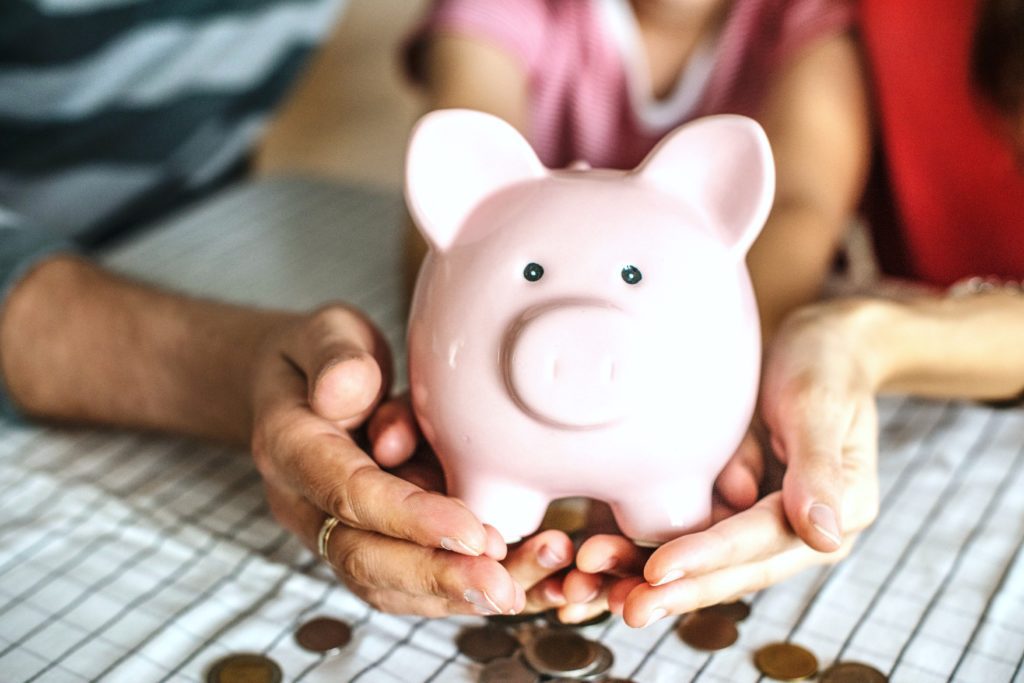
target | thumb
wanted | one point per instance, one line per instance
(344, 360)
(809, 440)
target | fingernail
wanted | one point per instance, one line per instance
(482, 601)
(572, 614)
(456, 545)
(657, 615)
(591, 597)
(553, 595)
(548, 558)
(823, 519)
(605, 566)
(669, 577)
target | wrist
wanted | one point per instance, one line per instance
(859, 328)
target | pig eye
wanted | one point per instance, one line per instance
(632, 275)
(533, 272)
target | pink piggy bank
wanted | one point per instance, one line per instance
(585, 332)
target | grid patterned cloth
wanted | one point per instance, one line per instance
(137, 558)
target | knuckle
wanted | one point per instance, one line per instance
(352, 561)
(352, 498)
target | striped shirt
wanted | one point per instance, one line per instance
(113, 111)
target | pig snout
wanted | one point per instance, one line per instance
(569, 364)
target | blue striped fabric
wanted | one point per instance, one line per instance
(112, 112)
(113, 109)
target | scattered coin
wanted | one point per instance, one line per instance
(551, 616)
(323, 634)
(737, 611)
(786, 662)
(244, 668)
(485, 643)
(561, 652)
(507, 670)
(605, 660)
(706, 631)
(512, 619)
(853, 672)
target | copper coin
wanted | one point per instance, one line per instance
(323, 635)
(561, 652)
(485, 643)
(512, 619)
(507, 670)
(244, 668)
(786, 662)
(853, 672)
(705, 631)
(737, 611)
(551, 616)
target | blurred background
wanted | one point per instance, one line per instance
(349, 115)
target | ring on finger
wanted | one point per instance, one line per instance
(324, 537)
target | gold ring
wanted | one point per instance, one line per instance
(324, 537)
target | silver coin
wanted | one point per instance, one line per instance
(605, 660)
(562, 653)
(507, 670)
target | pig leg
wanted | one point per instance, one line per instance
(653, 516)
(515, 511)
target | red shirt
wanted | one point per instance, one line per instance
(957, 191)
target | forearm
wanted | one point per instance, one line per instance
(789, 264)
(969, 347)
(82, 345)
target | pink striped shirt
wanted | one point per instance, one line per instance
(589, 95)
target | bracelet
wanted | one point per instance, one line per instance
(985, 285)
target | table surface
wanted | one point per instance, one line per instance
(137, 558)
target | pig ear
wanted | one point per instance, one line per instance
(456, 159)
(723, 166)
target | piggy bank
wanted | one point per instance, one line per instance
(585, 332)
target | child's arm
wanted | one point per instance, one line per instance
(818, 123)
(463, 72)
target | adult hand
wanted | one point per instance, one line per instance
(399, 547)
(818, 406)
(536, 564)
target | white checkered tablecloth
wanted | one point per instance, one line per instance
(137, 558)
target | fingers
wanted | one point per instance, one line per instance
(739, 480)
(809, 431)
(545, 595)
(344, 360)
(608, 554)
(586, 596)
(468, 585)
(393, 433)
(539, 557)
(646, 604)
(331, 472)
(749, 536)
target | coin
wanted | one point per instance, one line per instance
(853, 672)
(601, 667)
(705, 631)
(507, 670)
(484, 643)
(244, 668)
(561, 653)
(551, 616)
(512, 619)
(323, 634)
(737, 611)
(786, 662)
